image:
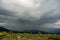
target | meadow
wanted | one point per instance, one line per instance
(27, 36)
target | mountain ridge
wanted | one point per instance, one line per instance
(55, 31)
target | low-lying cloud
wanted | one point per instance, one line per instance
(29, 14)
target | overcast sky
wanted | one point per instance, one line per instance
(29, 14)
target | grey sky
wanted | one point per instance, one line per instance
(29, 14)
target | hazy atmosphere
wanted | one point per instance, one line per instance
(30, 14)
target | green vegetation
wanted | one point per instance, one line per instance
(26, 36)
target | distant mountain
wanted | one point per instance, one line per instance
(3, 29)
(25, 31)
(35, 31)
(56, 31)
(52, 31)
(31, 31)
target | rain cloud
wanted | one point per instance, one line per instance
(29, 14)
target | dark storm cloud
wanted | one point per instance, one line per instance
(46, 19)
(34, 14)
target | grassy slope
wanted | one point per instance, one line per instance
(26, 36)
